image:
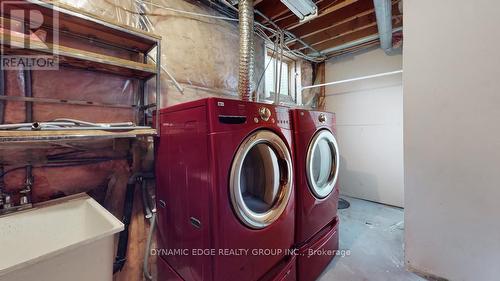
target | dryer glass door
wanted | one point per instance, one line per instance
(322, 163)
(260, 179)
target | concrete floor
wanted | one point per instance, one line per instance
(374, 235)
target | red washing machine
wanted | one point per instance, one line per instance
(225, 191)
(317, 167)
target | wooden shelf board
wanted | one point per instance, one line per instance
(14, 44)
(89, 25)
(10, 136)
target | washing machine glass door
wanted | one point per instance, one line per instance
(322, 163)
(261, 179)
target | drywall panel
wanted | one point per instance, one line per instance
(452, 138)
(369, 125)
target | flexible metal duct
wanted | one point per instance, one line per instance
(246, 69)
(383, 12)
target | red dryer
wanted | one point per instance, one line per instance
(317, 167)
(225, 191)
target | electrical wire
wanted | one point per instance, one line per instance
(287, 50)
(169, 9)
(62, 164)
(258, 27)
(191, 13)
(265, 68)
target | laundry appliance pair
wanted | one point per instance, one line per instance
(228, 192)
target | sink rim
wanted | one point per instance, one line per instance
(117, 226)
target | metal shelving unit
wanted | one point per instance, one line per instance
(87, 27)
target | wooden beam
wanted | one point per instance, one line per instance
(365, 32)
(354, 49)
(86, 24)
(15, 44)
(364, 19)
(353, 36)
(10, 136)
(346, 34)
(325, 21)
(351, 24)
(272, 8)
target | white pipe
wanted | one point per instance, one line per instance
(353, 79)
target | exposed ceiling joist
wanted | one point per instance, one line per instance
(362, 20)
(326, 21)
(339, 23)
(352, 36)
(355, 48)
(272, 8)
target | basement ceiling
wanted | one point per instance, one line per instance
(339, 27)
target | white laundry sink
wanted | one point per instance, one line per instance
(64, 239)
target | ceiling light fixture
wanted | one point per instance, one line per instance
(304, 9)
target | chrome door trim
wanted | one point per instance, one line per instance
(324, 191)
(246, 215)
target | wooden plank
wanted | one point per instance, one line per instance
(372, 30)
(354, 49)
(64, 101)
(364, 19)
(323, 22)
(87, 25)
(358, 34)
(12, 136)
(14, 44)
(351, 24)
(345, 34)
(272, 8)
(97, 20)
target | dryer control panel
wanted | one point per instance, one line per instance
(233, 112)
(307, 120)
